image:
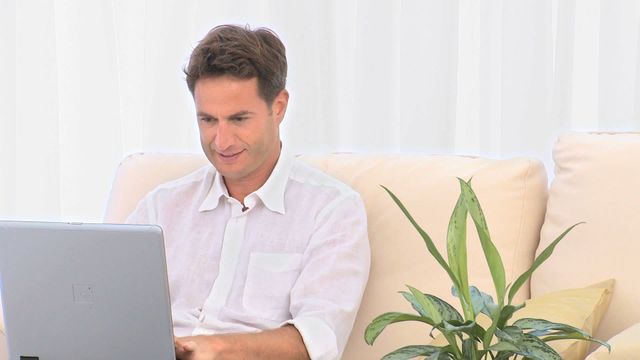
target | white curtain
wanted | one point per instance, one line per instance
(83, 83)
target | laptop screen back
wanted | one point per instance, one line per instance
(85, 291)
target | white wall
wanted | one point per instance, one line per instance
(83, 83)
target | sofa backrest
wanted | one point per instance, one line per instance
(512, 192)
(597, 181)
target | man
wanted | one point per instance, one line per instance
(267, 257)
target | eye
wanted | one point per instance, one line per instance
(206, 119)
(239, 118)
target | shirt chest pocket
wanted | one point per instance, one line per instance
(270, 277)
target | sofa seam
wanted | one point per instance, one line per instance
(522, 221)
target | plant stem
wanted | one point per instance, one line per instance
(454, 344)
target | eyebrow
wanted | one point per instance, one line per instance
(234, 115)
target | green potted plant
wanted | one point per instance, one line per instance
(526, 338)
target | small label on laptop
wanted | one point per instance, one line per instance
(83, 293)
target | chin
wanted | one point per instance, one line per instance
(227, 174)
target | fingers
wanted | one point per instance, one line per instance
(184, 346)
(190, 346)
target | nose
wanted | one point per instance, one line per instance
(223, 136)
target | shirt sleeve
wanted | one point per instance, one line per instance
(326, 297)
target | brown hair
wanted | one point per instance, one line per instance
(242, 53)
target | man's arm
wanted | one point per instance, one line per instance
(327, 294)
(278, 344)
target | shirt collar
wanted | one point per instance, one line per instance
(217, 190)
(271, 193)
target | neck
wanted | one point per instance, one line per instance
(239, 189)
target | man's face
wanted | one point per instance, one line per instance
(239, 131)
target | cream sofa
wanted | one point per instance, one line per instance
(596, 181)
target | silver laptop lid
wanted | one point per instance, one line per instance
(85, 291)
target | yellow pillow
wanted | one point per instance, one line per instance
(624, 346)
(581, 308)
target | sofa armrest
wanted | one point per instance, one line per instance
(624, 345)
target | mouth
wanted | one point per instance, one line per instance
(229, 157)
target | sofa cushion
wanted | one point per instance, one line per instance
(624, 346)
(596, 181)
(511, 192)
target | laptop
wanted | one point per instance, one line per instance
(85, 291)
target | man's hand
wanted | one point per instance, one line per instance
(278, 344)
(199, 348)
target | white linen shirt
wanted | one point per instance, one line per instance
(298, 255)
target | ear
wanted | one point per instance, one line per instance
(279, 106)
